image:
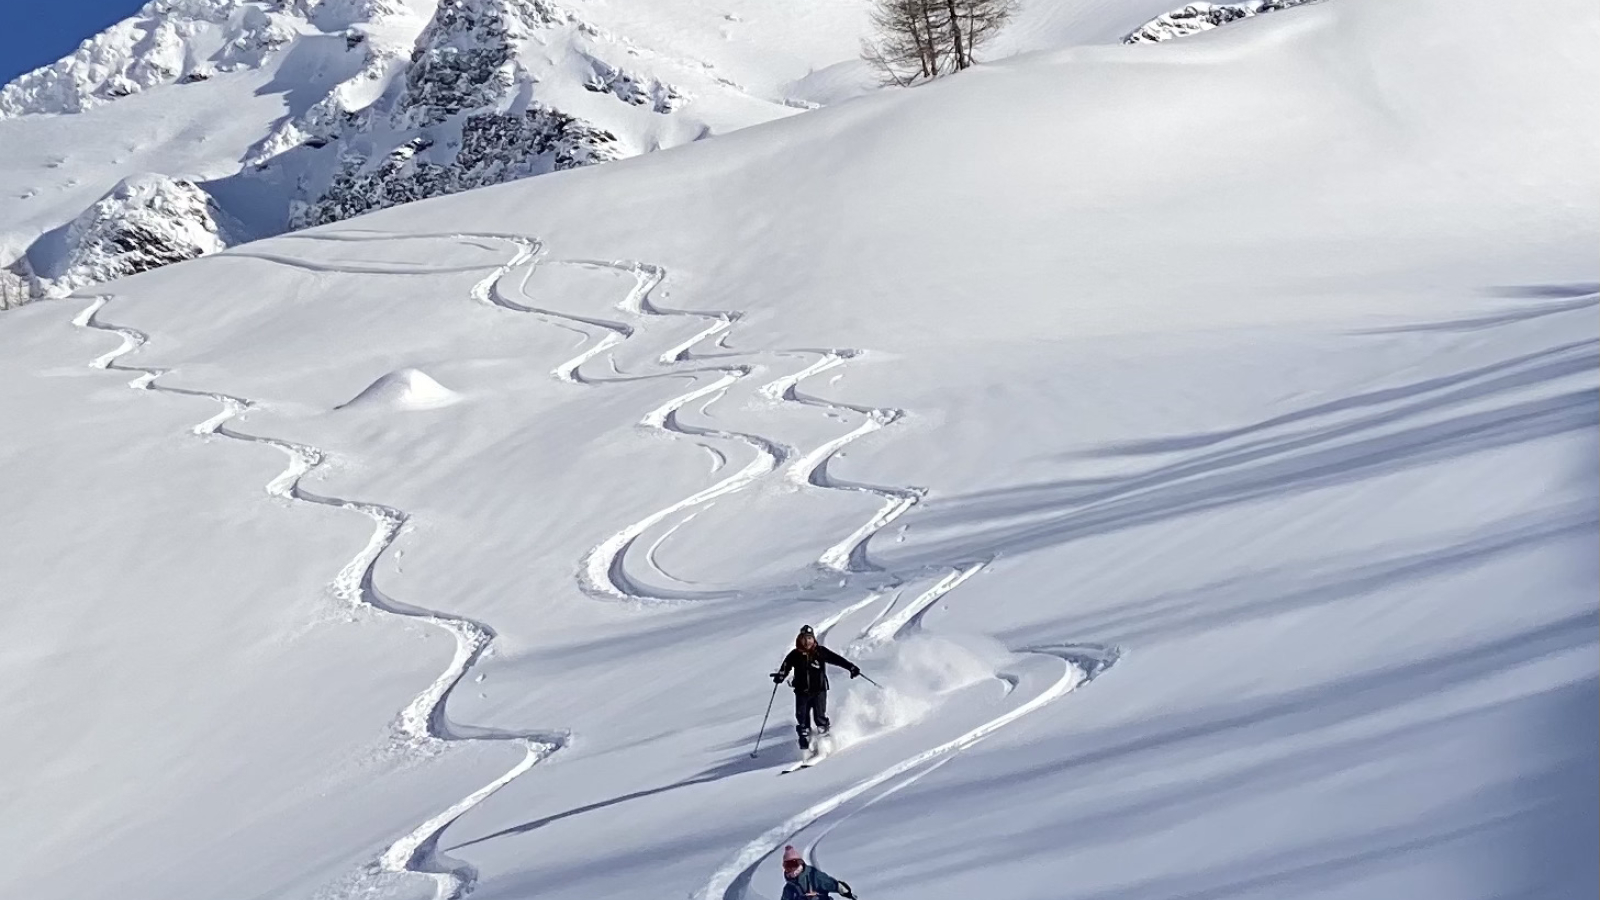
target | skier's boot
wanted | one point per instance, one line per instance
(805, 738)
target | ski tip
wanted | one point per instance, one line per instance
(802, 764)
(806, 763)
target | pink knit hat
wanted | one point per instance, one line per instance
(790, 853)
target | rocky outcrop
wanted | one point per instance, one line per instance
(466, 58)
(1197, 17)
(145, 222)
(634, 89)
(458, 120)
(493, 148)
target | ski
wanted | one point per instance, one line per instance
(806, 763)
(810, 759)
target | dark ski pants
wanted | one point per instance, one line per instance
(809, 707)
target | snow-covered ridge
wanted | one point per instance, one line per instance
(292, 113)
(1198, 17)
(166, 41)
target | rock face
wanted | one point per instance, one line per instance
(492, 148)
(145, 222)
(459, 118)
(1197, 17)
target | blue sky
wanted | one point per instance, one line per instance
(38, 32)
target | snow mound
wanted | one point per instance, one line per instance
(1198, 17)
(145, 222)
(403, 389)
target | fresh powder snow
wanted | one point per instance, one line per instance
(1196, 440)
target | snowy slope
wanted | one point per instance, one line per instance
(1211, 486)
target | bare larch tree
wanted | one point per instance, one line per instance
(917, 40)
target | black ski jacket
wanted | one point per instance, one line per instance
(810, 676)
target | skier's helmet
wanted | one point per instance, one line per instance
(792, 863)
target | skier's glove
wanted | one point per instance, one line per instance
(854, 671)
(844, 889)
(777, 677)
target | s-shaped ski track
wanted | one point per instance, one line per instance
(424, 722)
(603, 572)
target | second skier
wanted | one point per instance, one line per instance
(808, 661)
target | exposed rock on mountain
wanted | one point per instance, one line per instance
(1197, 17)
(493, 148)
(458, 120)
(144, 223)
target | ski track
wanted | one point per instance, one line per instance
(1083, 664)
(602, 572)
(849, 555)
(810, 851)
(650, 554)
(826, 625)
(424, 723)
(909, 617)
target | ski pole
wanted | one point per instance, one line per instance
(764, 719)
(871, 682)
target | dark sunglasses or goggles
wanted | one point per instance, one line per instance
(792, 864)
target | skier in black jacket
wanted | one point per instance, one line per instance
(807, 660)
